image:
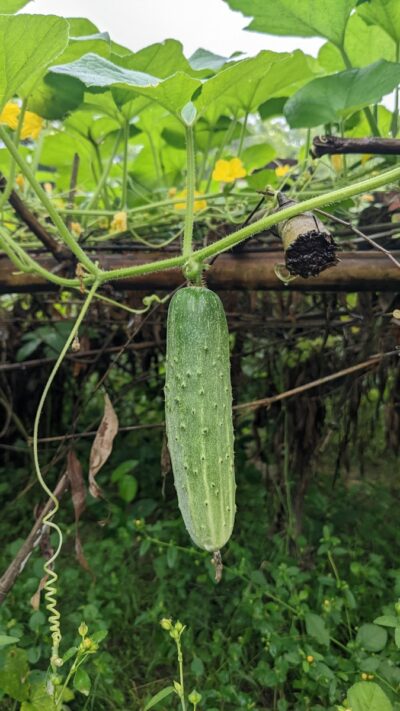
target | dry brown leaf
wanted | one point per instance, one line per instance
(75, 475)
(35, 599)
(102, 445)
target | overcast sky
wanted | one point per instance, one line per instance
(205, 23)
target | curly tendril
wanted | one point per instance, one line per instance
(51, 583)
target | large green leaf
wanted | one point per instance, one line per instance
(172, 93)
(246, 84)
(368, 696)
(8, 7)
(298, 18)
(160, 60)
(55, 96)
(385, 13)
(330, 98)
(29, 44)
(364, 44)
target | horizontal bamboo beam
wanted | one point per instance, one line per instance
(356, 271)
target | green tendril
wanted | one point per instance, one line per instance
(51, 583)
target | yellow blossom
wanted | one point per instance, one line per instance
(32, 123)
(48, 187)
(226, 171)
(10, 114)
(368, 197)
(198, 204)
(31, 126)
(310, 658)
(76, 229)
(281, 171)
(396, 315)
(20, 180)
(337, 162)
(119, 222)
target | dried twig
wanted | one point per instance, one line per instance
(329, 145)
(55, 248)
(8, 579)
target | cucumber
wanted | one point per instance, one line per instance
(198, 413)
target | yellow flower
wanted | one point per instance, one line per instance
(281, 171)
(76, 229)
(226, 171)
(337, 162)
(31, 126)
(310, 658)
(198, 204)
(10, 114)
(396, 315)
(20, 180)
(119, 222)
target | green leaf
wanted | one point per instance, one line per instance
(397, 637)
(328, 99)
(162, 59)
(386, 621)
(243, 86)
(172, 93)
(299, 18)
(55, 96)
(315, 627)
(82, 681)
(272, 107)
(128, 487)
(124, 468)
(99, 636)
(30, 43)
(385, 13)
(368, 696)
(6, 639)
(159, 697)
(257, 156)
(371, 637)
(69, 653)
(364, 44)
(8, 7)
(13, 674)
(203, 59)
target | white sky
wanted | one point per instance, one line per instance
(209, 24)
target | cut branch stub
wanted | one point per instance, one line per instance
(309, 247)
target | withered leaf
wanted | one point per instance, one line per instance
(102, 445)
(78, 491)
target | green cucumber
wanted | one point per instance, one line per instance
(198, 413)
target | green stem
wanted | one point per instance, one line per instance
(367, 111)
(264, 223)
(11, 176)
(339, 584)
(93, 200)
(46, 202)
(243, 133)
(181, 680)
(190, 185)
(156, 159)
(124, 196)
(24, 262)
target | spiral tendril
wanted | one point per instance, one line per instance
(50, 586)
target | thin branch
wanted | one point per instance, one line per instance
(330, 145)
(15, 568)
(56, 248)
(267, 401)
